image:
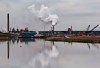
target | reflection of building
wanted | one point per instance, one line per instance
(23, 40)
(26, 40)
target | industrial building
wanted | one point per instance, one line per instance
(63, 33)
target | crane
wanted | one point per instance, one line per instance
(87, 32)
(94, 27)
(88, 27)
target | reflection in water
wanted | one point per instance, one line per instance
(96, 46)
(8, 49)
(93, 44)
(26, 40)
(88, 45)
(23, 40)
(46, 54)
(44, 58)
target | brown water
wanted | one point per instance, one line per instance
(30, 53)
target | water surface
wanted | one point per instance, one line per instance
(37, 53)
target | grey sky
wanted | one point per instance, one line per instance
(78, 13)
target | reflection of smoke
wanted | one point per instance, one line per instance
(44, 14)
(43, 59)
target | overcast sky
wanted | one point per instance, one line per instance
(78, 13)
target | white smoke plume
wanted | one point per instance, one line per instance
(44, 14)
(53, 18)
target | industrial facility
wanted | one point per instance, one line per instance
(26, 33)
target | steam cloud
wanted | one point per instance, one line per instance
(44, 14)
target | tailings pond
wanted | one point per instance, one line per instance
(38, 53)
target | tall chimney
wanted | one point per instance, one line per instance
(7, 22)
(53, 29)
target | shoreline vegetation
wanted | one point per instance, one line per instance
(82, 39)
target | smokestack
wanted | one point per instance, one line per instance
(71, 28)
(53, 29)
(7, 22)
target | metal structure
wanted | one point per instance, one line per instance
(88, 32)
(94, 27)
(8, 22)
(88, 28)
